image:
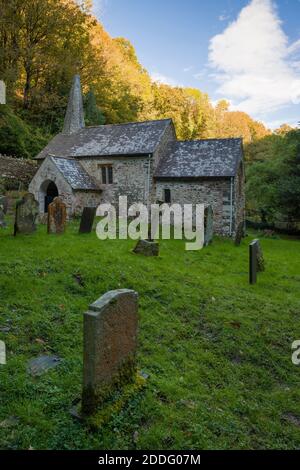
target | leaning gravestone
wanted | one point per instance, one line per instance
(57, 216)
(239, 234)
(110, 342)
(27, 210)
(87, 219)
(208, 225)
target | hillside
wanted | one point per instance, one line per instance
(217, 350)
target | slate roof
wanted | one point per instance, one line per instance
(201, 158)
(134, 138)
(75, 174)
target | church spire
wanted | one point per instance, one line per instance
(74, 119)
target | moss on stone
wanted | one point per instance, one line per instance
(95, 397)
(115, 403)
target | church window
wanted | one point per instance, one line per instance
(167, 195)
(106, 174)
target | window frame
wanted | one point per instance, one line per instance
(107, 177)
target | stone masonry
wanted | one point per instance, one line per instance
(143, 160)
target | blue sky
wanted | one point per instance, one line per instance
(247, 51)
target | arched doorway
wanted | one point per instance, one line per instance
(49, 191)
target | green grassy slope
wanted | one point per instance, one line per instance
(218, 351)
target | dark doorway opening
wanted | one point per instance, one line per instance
(51, 193)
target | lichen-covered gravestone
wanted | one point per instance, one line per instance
(87, 219)
(208, 225)
(260, 261)
(57, 216)
(110, 342)
(27, 210)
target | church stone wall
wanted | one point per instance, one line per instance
(213, 192)
(130, 177)
(239, 196)
(85, 199)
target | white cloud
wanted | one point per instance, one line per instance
(256, 66)
(278, 122)
(224, 17)
(160, 78)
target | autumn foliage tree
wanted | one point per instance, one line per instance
(43, 43)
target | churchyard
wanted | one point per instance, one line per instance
(216, 350)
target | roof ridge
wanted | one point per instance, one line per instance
(213, 139)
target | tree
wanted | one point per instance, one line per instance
(273, 180)
(93, 114)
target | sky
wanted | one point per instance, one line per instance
(246, 51)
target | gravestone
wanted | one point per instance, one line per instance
(260, 261)
(110, 342)
(2, 92)
(253, 253)
(87, 219)
(40, 365)
(147, 248)
(2, 353)
(208, 225)
(57, 216)
(239, 234)
(27, 210)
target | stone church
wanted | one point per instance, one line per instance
(143, 161)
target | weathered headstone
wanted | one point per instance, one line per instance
(253, 250)
(208, 225)
(260, 261)
(87, 219)
(2, 353)
(147, 248)
(27, 210)
(42, 364)
(2, 92)
(239, 233)
(110, 342)
(57, 216)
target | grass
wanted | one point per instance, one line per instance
(217, 350)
